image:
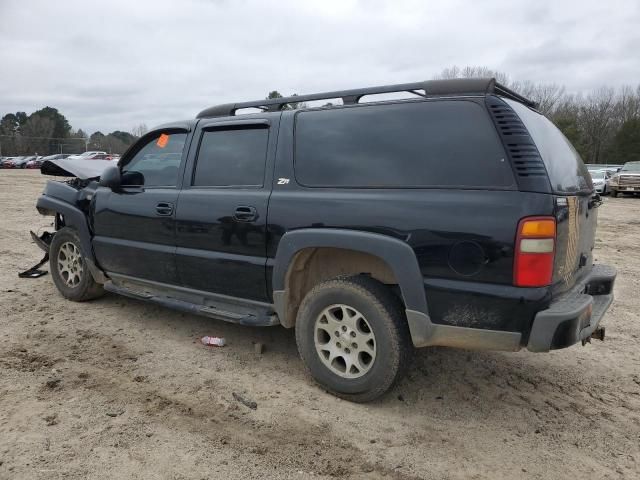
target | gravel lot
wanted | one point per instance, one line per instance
(122, 389)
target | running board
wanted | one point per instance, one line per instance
(218, 310)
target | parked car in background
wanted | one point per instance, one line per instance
(99, 156)
(16, 162)
(627, 180)
(37, 163)
(600, 179)
(85, 155)
(26, 160)
(7, 162)
(609, 167)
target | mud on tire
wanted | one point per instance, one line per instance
(353, 337)
(69, 269)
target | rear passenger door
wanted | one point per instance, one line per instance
(221, 216)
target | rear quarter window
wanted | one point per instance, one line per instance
(450, 143)
(567, 172)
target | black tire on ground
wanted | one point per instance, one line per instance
(385, 316)
(84, 287)
(614, 193)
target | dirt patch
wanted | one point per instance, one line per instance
(116, 388)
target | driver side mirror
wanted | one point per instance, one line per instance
(111, 177)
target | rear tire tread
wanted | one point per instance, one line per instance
(387, 305)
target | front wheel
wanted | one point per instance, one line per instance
(614, 193)
(353, 337)
(69, 269)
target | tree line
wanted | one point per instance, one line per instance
(603, 124)
(47, 131)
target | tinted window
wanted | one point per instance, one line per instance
(631, 167)
(232, 157)
(420, 144)
(157, 162)
(567, 172)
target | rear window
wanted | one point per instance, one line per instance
(567, 172)
(412, 144)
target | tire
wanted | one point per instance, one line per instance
(614, 193)
(72, 279)
(374, 316)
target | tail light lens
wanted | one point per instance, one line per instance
(535, 249)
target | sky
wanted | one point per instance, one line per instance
(112, 65)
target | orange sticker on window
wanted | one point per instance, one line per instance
(163, 140)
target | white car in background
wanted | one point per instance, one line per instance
(600, 179)
(86, 155)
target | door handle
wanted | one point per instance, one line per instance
(245, 214)
(164, 209)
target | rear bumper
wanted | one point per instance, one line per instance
(575, 315)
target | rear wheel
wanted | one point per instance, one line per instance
(69, 269)
(353, 337)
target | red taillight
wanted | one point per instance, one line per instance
(535, 248)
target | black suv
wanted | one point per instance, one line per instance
(461, 217)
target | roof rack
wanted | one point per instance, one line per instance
(429, 88)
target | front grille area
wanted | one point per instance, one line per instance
(629, 180)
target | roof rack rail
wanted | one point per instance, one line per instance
(429, 88)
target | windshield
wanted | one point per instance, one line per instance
(597, 175)
(631, 167)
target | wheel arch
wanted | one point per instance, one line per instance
(390, 261)
(76, 219)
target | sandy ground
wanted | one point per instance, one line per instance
(117, 388)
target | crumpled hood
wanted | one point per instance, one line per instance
(82, 169)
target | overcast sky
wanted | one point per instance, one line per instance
(113, 64)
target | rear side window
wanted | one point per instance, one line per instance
(231, 158)
(413, 144)
(567, 172)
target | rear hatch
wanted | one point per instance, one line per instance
(576, 208)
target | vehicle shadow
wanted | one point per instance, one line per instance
(441, 382)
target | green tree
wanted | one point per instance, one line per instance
(9, 131)
(21, 118)
(125, 137)
(626, 142)
(288, 106)
(36, 135)
(61, 127)
(96, 141)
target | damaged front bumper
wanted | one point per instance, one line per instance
(574, 316)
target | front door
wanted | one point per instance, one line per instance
(222, 209)
(134, 226)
